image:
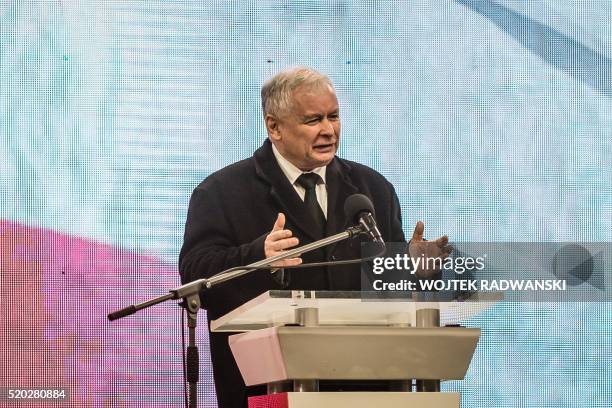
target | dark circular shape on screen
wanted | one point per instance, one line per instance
(574, 263)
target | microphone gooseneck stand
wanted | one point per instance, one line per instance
(190, 295)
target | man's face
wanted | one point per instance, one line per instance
(308, 134)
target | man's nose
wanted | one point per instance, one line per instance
(327, 127)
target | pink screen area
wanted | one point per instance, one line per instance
(56, 291)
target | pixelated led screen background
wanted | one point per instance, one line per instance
(492, 119)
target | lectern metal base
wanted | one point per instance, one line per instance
(357, 400)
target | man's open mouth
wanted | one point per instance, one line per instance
(324, 147)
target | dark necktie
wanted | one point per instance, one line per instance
(309, 182)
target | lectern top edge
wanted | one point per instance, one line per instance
(277, 308)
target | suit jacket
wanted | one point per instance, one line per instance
(233, 210)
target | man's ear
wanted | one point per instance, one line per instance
(272, 126)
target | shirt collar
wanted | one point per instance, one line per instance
(291, 171)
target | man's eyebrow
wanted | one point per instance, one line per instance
(320, 115)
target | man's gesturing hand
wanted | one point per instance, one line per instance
(419, 248)
(280, 239)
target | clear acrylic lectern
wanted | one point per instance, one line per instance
(293, 340)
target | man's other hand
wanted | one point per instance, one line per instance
(419, 248)
(280, 239)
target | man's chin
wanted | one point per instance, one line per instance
(324, 159)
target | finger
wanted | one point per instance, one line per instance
(277, 235)
(279, 224)
(292, 261)
(284, 244)
(419, 229)
(287, 262)
(442, 241)
(279, 246)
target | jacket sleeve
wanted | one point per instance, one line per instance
(397, 233)
(210, 242)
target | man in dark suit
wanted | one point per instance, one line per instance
(291, 192)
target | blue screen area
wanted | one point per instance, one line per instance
(491, 119)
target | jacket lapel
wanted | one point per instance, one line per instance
(339, 188)
(338, 184)
(283, 192)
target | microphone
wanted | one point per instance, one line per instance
(359, 209)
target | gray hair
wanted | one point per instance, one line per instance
(276, 93)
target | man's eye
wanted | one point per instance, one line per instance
(312, 121)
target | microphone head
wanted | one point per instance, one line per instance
(357, 204)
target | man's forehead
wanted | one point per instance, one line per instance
(314, 98)
(317, 88)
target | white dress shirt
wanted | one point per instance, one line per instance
(292, 173)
